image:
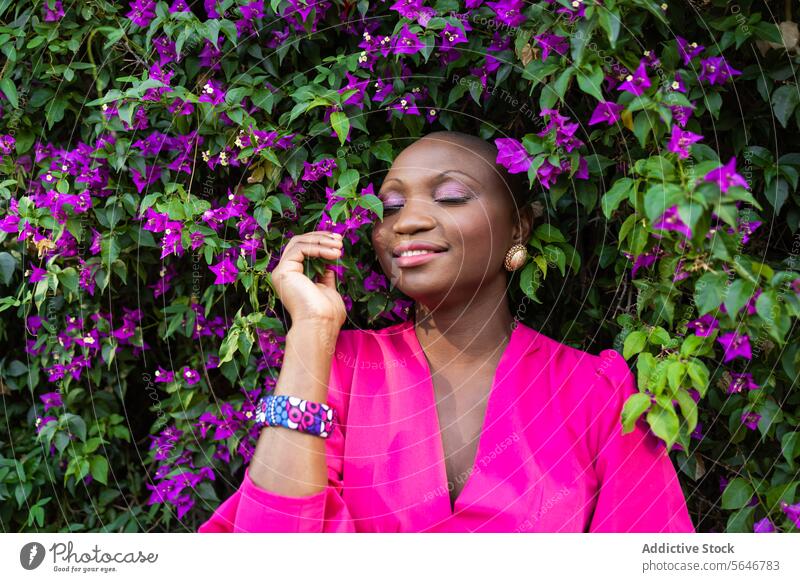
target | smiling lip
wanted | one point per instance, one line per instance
(416, 245)
(432, 249)
(414, 260)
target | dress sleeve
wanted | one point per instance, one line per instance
(638, 487)
(252, 509)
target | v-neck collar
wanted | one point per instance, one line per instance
(516, 346)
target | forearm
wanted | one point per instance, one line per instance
(289, 462)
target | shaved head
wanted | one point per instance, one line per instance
(515, 184)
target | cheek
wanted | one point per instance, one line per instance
(480, 233)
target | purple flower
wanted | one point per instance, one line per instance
(680, 273)
(253, 10)
(678, 84)
(375, 282)
(407, 43)
(210, 55)
(726, 176)
(51, 400)
(192, 377)
(735, 345)
(315, 171)
(171, 245)
(716, 71)
(763, 526)
(164, 376)
(644, 260)
(55, 14)
(141, 13)
(741, 381)
(406, 105)
(564, 131)
(750, 419)
(178, 6)
(7, 143)
(166, 50)
(42, 421)
(792, 512)
(637, 82)
(671, 220)
(606, 111)
(181, 107)
(37, 274)
(552, 42)
(212, 93)
(681, 113)
(512, 155)
(451, 36)
(688, 50)
(508, 11)
(152, 174)
(407, 8)
(158, 74)
(746, 229)
(226, 272)
(680, 141)
(697, 433)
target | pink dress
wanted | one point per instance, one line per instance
(551, 456)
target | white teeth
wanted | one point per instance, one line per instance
(412, 253)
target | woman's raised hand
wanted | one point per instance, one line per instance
(306, 300)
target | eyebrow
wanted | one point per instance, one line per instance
(440, 177)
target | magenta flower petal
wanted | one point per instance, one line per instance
(512, 155)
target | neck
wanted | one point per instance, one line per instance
(464, 334)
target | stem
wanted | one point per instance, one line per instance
(91, 61)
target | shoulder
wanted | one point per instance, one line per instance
(601, 375)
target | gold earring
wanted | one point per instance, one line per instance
(515, 257)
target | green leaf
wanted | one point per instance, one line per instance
(737, 494)
(776, 193)
(372, 203)
(7, 267)
(738, 294)
(610, 21)
(341, 125)
(548, 233)
(592, 83)
(699, 375)
(619, 192)
(709, 291)
(784, 101)
(675, 374)
(99, 469)
(688, 408)
(635, 406)
(10, 90)
(664, 423)
(790, 446)
(634, 343)
(660, 197)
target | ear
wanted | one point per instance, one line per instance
(523, 225)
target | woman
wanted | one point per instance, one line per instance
(459, 419)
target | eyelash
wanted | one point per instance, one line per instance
(454, 201)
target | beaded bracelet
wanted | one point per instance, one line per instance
(295, 413)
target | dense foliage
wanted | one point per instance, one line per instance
(155, 157)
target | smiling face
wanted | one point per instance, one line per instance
(445, 190)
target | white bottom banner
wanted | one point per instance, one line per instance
(415, 557)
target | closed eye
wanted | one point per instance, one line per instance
(454, 201)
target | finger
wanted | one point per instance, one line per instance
(299, 252)
(323, 238)
(328, 278)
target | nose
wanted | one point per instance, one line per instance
(415, 215)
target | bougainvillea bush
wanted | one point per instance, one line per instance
(157, 156)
